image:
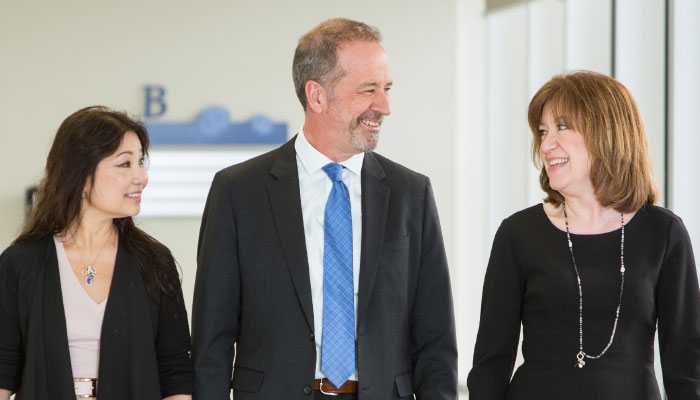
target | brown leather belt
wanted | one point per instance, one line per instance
(325, 386)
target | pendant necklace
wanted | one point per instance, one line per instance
(582, 355)
(89, 270)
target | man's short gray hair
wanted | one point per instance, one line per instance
(316, 57)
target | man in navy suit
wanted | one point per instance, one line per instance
(321, 265)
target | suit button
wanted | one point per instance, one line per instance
(307, 390)
(311, 336)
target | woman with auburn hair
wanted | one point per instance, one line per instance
(90, 305)
(593, 271)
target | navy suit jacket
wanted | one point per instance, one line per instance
(253, 292)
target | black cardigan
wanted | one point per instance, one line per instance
(144, 347)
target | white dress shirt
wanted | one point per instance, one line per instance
(314, 188)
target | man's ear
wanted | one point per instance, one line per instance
(316, 96)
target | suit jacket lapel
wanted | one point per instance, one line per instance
(286, 210)
(375, 205)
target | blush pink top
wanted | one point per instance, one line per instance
(83, 319)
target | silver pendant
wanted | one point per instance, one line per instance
(579, 360)
(89, 274)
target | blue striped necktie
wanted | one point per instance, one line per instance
(338, 347)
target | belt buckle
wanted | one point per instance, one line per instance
(326, 393)
(82, 382)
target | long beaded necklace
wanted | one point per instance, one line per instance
(582, 355)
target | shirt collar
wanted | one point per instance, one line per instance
(313, 160)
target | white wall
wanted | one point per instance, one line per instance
(471, 241)
(588, 32)
(640, 65)
(684, 171)
(507, 97)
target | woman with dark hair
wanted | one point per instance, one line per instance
(591, 273)
(90, 305)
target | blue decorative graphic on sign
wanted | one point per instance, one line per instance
(214, 126)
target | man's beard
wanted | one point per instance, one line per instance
(360, 141)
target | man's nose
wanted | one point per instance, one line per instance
(381, 102)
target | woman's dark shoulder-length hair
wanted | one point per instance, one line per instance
(607, 116)
(84, 139)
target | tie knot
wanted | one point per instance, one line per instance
(334, 171)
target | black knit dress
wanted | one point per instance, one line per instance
(531, 280)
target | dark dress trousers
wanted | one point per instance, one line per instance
(531, 279)
(253, 288)
(144, 347)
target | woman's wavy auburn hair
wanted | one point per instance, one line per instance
(606, 114)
